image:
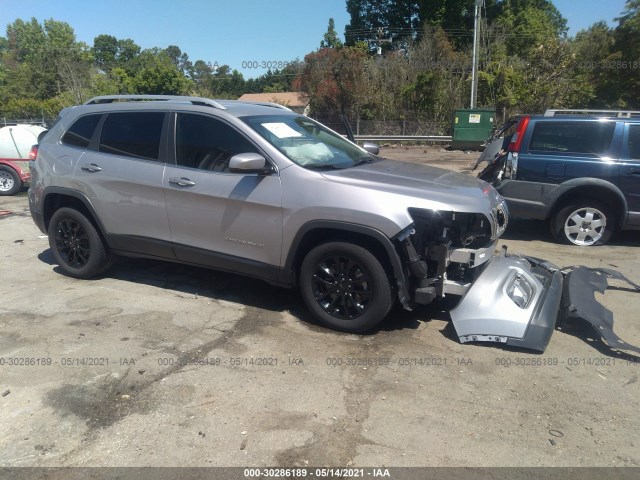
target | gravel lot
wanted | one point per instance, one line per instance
(157, 364)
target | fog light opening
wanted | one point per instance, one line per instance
(520, 291)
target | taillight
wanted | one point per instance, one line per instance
(516, 139)
(33, 153)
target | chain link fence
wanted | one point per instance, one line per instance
(410, 125)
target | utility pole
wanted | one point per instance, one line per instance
(474, 68)
(379, 40)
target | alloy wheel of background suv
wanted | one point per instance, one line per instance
(584, 222)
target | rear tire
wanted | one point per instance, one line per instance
(584, 222)
(76, 244)
(10, 182)
(345, 287)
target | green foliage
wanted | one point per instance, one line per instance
(397, 20)
(624, 62)
(330, 39)
(157, 74)
(32, 108)
(332, 78)
(526, 63)
(530, 23)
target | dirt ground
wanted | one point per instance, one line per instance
(157, 364)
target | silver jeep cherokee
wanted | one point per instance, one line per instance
(259, 190)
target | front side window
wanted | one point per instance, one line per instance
(306, 142)
(133, 134)
(207, 143)
(80, 133)
(593, 138)
(634, 142)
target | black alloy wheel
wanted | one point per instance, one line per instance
(76, 244)
(345, 286)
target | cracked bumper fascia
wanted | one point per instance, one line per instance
(486, 313)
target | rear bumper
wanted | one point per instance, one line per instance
(511, 302)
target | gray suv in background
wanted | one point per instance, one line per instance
(259, 190)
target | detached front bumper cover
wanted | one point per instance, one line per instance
(518, 301)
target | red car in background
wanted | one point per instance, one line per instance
(14, 173)
(17, 147)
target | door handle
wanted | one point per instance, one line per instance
(181, 182)
(91, 168)
(634, 171)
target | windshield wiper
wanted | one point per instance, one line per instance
(363, 160)
(327, 166)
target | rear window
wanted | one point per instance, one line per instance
(135, 134)
(80, 133)
(591, 138)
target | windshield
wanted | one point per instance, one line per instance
(306, 142)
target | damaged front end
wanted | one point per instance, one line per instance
(512, 300)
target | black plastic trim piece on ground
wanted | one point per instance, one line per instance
(578, 302)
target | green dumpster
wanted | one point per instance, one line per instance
(471, 127)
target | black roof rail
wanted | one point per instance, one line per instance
(167, 98)
(597, 113)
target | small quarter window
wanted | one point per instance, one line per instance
(80, 133)
(135, 134)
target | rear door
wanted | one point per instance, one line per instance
(230, 221)
(630, 171)
(122, 176)
(561, 150)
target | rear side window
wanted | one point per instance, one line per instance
(134, 134)
(593, 138)
(80, 133)
(634, 142)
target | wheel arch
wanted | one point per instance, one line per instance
(318, 232)
(55, 198)
(596, 189)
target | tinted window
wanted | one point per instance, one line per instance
(634, 142)
(572, 137)
(208, 144)
(135, 134)
(80, 133)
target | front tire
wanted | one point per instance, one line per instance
(76, 245)
(345, 287)
(584, 222)
(10, 182)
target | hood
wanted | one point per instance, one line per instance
(459, 192)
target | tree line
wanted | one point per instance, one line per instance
(44, 68)
(412, 60)
(398, 60)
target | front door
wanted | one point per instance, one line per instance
(230, 221)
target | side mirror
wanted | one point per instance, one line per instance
(248, 163)
(371, 147)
